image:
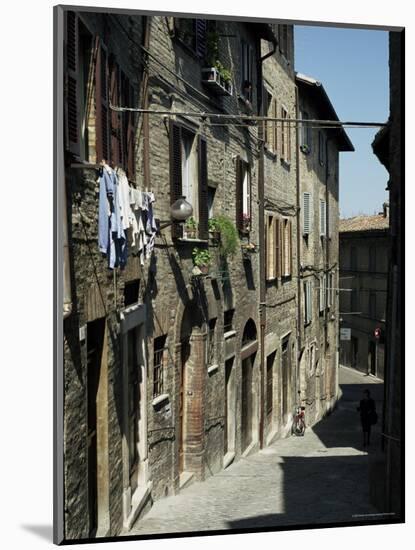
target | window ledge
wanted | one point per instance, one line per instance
(229, 334)
(213, 368)
(185, 240)
(160, 399)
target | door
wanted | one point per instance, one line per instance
(286, 370)
(185, 353)
(95, 339)
(228, 406)
(246, 405)
(270, 387)
(133, 406)
(372, 358)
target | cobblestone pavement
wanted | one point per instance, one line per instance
(321, 477)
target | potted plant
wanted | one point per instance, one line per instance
(190, 227)
(214, 229)
(229, 239)
(202, 259)
(246, 223)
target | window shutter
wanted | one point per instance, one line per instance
(278, 255)
(116, 147)
(306, 213)
(322, 218)
(238, 193)
(131, 128)
(267, 247)
(290, 247)
(201, 28)
(72, 91)
(276, 247)
(203, 189)
(101, 102)
(175, 172)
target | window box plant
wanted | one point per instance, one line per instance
(202, 259)
(214, 229)
(190, 228)
(218, 79)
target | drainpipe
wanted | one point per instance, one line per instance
(298, 221)
(261, 238)
(67, 291)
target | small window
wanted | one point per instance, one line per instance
(228, 320)
(323, 220)
(192, 33)
(308, 302)
(285, 136)
(246, 71)
(306, 214)
(131, 292)
(158, 364)
(286, 228)
(243, 195)
(305, 135)
(270, 126)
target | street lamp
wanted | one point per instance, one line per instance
(180, 211)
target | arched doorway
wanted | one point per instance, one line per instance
(249, 349)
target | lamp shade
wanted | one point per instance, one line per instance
(180, 210)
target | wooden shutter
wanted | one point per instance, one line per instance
(322, 218)
(131, 132)
(175, 172)
(101, 102)
(275, 126)
(238, 192)
(278, 247)
(72, 89)
(114, 93)
(306, 213)
(201, 29)
(203, 189)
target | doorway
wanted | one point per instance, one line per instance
(96, 401)
(246, 405)
(185, 354)
(372, 358)
(229, 425)
(286, 371)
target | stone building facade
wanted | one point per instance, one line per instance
(364, 258)
(387, 489)
(318, 166)
(169, 375)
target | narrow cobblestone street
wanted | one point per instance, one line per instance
(319, 478)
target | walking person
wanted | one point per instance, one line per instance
(368, 416)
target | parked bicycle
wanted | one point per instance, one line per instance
(298, 426)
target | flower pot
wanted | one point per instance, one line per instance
(204, 269)
(190, 233)
(214, 235)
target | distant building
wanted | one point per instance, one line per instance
(364, 255)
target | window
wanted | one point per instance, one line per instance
(228, 320)
(270, 127)
(131, 292)
(270, 380)
(321, 148)
(211, 198)
(321, 292)
(330, 290)
(211, 359)
(285, 136)
(192, 33)
(305, 135)
(323, 220)
(247, 59)
(188, 175)
(158, 363)
(92, 131)
(243, 195)
(308, 302)
(286, 228)
(311, 358)
(306, 213)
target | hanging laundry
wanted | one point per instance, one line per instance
(150, 226)
(111, 235)
(125, 208)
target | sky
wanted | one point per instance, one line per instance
(352, 65)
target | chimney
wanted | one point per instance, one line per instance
(386, 210)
